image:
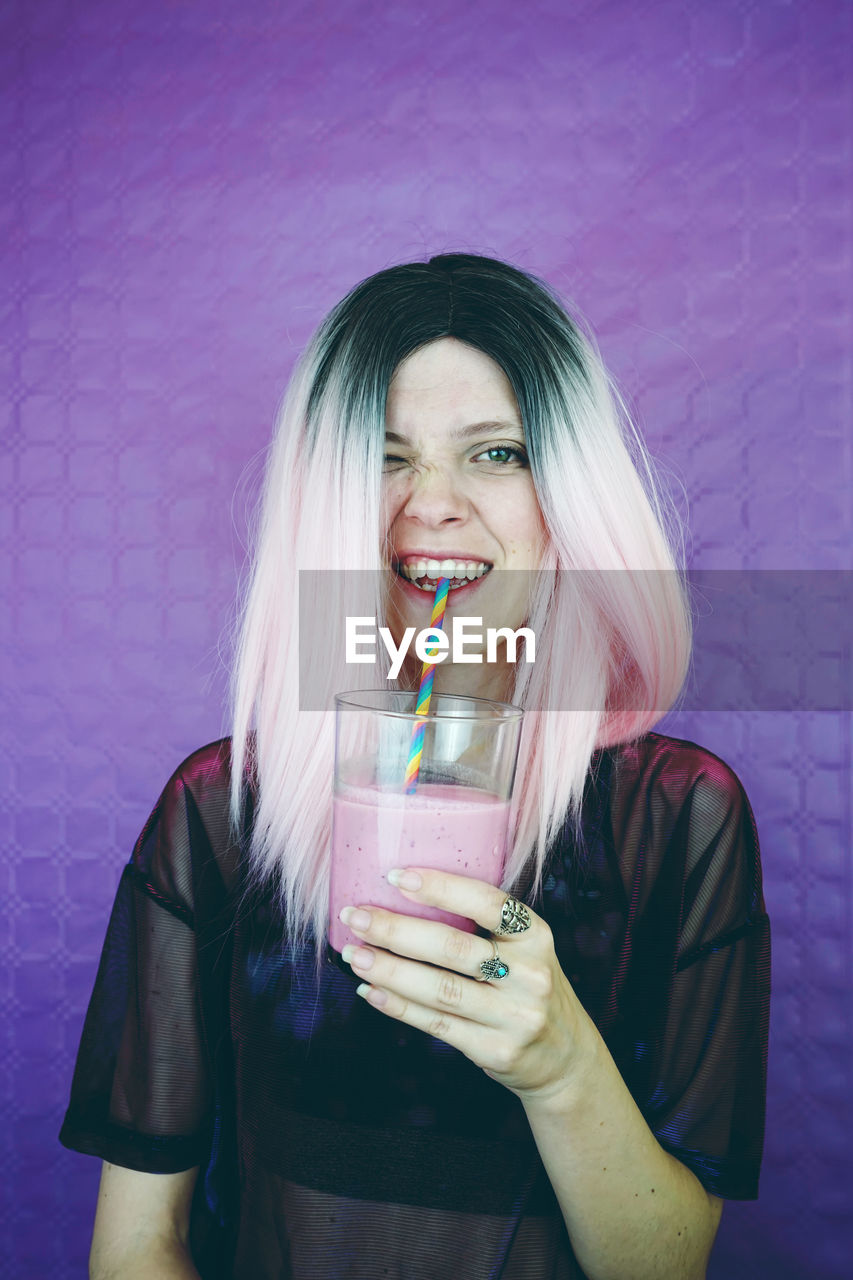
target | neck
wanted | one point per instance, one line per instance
(474, 680)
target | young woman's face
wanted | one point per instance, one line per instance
(458, 496)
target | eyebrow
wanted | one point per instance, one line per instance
(465, 433)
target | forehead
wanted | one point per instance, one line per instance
(450, 379)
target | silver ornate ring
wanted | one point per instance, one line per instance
(515, 917)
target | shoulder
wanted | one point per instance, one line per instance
(205, 770)
(202, 779)
(189, 824)
(677, 771)
(680, 817)
(206, 775)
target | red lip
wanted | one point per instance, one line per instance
(417, 553)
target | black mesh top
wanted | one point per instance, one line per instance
(336, 1142)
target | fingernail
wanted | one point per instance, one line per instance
(404, 879)
(357, 920)
(372, 995)
(358, 956)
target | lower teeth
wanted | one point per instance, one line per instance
(430, 584)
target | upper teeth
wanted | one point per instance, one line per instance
(443, 569)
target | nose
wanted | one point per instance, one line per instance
(434, 498)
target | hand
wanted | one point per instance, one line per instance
(528, 1030)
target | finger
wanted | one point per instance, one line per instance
(480, 1044)
(427, 940)
(462, 895)
(438, 989)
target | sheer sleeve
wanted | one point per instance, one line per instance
(705, 1099)
(141, 1091)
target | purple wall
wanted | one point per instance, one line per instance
(186, 189)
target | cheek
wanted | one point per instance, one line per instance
(525, 524)
(392, 500)
(387, 517)
(538, 530)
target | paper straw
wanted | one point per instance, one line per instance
(425, 690)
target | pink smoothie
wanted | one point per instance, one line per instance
(451, 828)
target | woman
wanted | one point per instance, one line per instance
(417, 1115)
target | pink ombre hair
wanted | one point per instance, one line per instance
(613, 641)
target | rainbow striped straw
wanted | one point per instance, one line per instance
(413, 765)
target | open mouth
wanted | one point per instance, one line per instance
(424, 574)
